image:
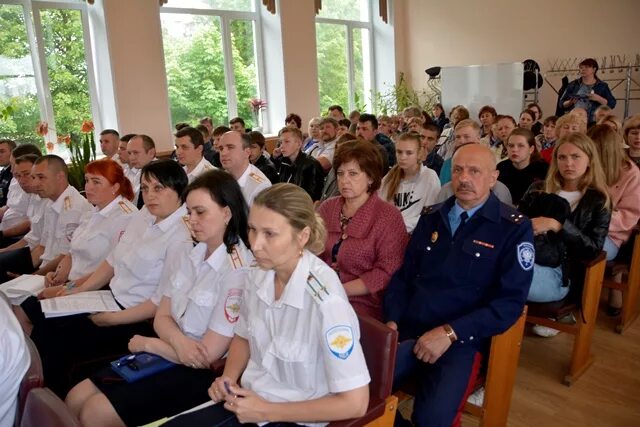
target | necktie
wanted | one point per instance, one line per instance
(140, 203)
(463, 220)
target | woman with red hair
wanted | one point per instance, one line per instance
(100, 229)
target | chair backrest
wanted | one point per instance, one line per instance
(45, 409)
(33, 378)
(379, 344)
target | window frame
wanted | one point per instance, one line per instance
(31, 11)
(226, 17)
(350, 26)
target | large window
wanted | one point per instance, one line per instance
(343, 38)
(44, 71)
(211, 51)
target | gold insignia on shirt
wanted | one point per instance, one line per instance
(236, 260)
(484, 244)
(67, 203)
(340, 342)
(125, 208)
(185, 219)
(434, 237)
(257, 178)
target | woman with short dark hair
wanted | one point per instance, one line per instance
(366, 235)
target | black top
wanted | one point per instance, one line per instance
(519, 180)
(266, 167)
(5, 180)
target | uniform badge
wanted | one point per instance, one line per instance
(125, 208)
(434, 237)
(257, 178)
(232, 305)
(340, 341)
(526, 255)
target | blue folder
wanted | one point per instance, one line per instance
(133, 367)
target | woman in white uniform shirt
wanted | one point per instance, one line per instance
(296, 348)
(134, 269)
(99, 231)
(195, 319)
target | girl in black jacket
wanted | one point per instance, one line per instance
(576, 175)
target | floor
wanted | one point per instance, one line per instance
(607, 395)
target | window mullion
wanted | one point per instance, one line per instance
(44, 96)
(229, 77)
(91, 76)
(350, 68)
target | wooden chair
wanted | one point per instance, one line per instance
(34, 378)
(379, 344)
(630, 287)
(546, 314)
(45, 409)
(498, 381)
(500, 377)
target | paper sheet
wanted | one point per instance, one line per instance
(21, 288)
(84, 302)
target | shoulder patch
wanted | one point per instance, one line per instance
(526, 255)
(340, 341)
(257, 178)
(232, 305)
(316, 289)
(125, 207)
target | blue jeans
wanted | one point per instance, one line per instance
(610, 248)
(546, 285)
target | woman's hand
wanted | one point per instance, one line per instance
(103, 319)
(248, 406)
(543, 224)
(138, 343)
(50, 292)
(221, 389)
(191, 353)
(49, 279)
(597, 98)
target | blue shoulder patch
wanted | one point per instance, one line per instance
(526, 255)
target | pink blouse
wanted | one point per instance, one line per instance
(372, 250)
(625, 199)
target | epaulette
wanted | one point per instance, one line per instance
(316, 289)
(67, 203)
(185, 219)
(257, 178)
(512, 215)
(209, 167)
(235, 258)
(431, 208)
(125, 207)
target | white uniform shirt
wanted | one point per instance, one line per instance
(139, 258)
(252, 182)
(97, 235)
(60, 221)
(37, 207)
(305, 345)
(14, 362)
(17, 205)
(414, 194)
(323, 149)
(133, 175)
(202, 167)
(207, 293)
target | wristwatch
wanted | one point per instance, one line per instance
(450, 333)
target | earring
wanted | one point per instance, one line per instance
(301, 252)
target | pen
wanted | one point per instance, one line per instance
(69, 285)
(226, 387)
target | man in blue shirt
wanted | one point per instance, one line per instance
(465, 277)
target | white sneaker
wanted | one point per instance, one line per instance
(544, 331)
(477, 397)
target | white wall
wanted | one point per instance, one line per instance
(469, 32)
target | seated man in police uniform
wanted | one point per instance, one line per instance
(465, 277)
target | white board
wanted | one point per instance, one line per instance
(498, 85)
